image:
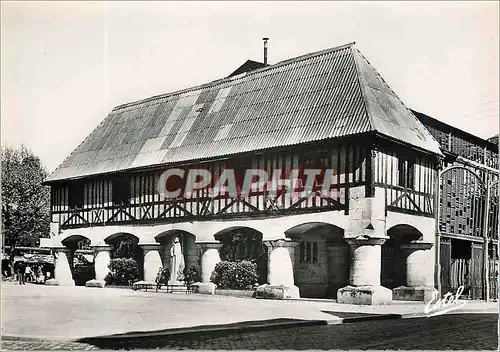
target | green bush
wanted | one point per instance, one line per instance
(235, 275)
(162, 276)
(122, 272)
(191, 275)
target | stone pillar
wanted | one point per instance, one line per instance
(419, 273)
(280, 266)
(71, 258)
(62, 270)
(364, 274)
(152, 261)
(101, 265)
(209, 259)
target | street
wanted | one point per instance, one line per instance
(55, 318)
(447, 332)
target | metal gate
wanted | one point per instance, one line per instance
(460, 275)
(493, 274)
(472, 215)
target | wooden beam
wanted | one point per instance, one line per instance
(485, 235)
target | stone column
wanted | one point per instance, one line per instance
(209, 259)
(152, 261)
(364, 274)
(62, 270)
(101, 265)
(280, 266)
(419, 273)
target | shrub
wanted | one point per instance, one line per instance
(235, 275)
(162, 276)
(123, 271)
(191, 275)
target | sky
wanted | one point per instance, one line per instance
(65, 65)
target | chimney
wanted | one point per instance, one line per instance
(265, 50)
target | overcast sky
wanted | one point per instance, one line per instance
(65, 65)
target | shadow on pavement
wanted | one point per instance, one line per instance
(155, 339)
(444, 332)
(354, 317)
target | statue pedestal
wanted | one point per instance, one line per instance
(176, 283)
(207, 288)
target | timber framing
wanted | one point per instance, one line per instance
(364, 160)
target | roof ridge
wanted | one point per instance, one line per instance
(420, 130)
(387, 85)
(233, 78)
(354, 52)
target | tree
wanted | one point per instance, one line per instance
(25, 202)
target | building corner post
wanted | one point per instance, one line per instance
(437, 212)
(486, 264)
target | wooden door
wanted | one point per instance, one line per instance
(477, 270)
(387, 266)
(445, 262)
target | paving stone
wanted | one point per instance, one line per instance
(455, 332)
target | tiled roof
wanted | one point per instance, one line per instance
(323, 95)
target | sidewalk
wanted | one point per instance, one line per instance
(71, 313)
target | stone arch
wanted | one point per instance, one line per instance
(126, 245)
(74, 240)
(188, 245)
(333, 232)
(335, 219)
(81, 258)
(111, 239)
(393, 260)
(321, 260)
(244, 243)
(405, 233)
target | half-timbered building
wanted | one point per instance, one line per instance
(329, 109)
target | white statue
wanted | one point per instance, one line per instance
(176, 262)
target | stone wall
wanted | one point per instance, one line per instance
(312, 278)
(325, 276)
(338, 264)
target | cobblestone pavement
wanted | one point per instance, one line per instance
(45, 346)
(447, 332)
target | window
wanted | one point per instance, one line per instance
(308, 252)
(75, 195)
(406, 171)
(121, 191)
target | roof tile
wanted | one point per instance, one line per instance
(332, 93)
